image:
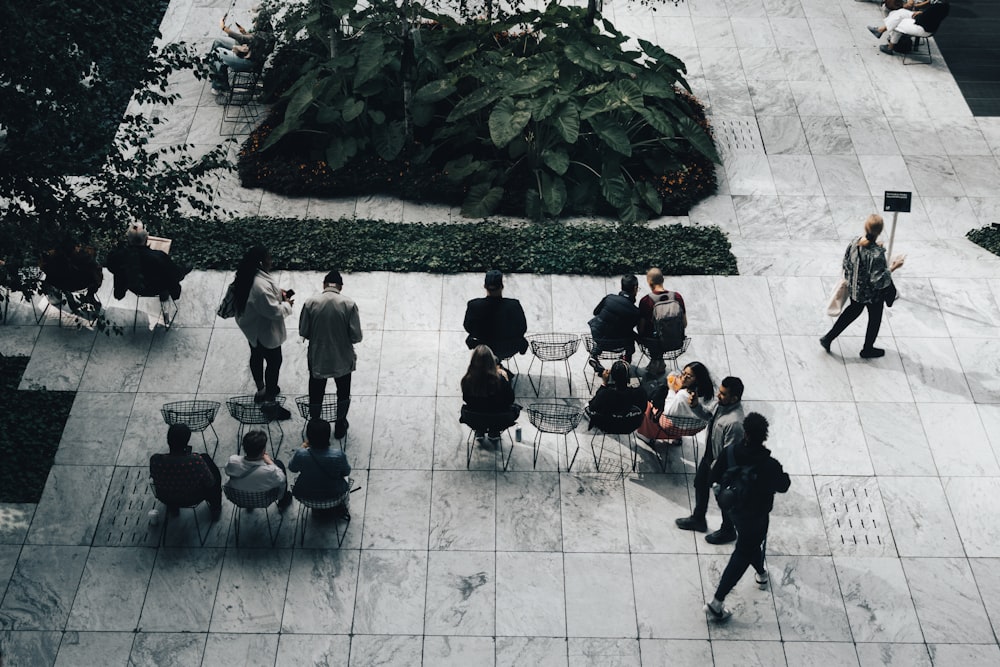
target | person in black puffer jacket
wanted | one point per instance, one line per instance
(751, 519)
(613, 324)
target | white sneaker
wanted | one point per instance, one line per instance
(718, 613)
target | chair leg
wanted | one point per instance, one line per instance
(468, 448)
(569, 376)
(541, 374)
(510, 453)
(303, 519)
(535, 446)
(566, 449)
(236, 524)
(277, 531)
(215, 448)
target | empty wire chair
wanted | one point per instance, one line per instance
(552, 347)
(248, 413)
(559, 419)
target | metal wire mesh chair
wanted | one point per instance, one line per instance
(242, 500)
(247, 413)
(327, 411)
(674, 428)
(483, 422)
(197, 415)
(241, 107)
(166, 515)
(615, 425)
(668, 355)
(552, 347)
(559, 419)
(327, 504)
(605, 355)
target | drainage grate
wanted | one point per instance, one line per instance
(737, 135)
(125, 521)
(855, 518)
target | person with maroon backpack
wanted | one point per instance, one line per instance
(662, 321)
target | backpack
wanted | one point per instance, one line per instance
(735, 491)
(668, 321)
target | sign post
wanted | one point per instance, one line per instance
(897, 202)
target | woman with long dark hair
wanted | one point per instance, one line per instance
(486, 388)
(671, 402)
(869, 283)
(261, 309)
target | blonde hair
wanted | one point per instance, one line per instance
(874, 224)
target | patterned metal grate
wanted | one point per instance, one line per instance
(125, 521)
(854, 516)
(737, 135)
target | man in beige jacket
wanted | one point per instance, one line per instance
(331, 324)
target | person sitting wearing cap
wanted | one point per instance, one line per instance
(496, 321)
(139, 269)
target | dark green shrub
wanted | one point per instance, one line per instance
(558, 119)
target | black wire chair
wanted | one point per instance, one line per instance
(327, 411)
(613, 354)
(558, 419)
(197, 415)
(248, 413)
(242, 500)
(552, 347)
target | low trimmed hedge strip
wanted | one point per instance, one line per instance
(368, 245)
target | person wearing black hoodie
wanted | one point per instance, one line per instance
(751, 519)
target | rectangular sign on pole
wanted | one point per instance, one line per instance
(897, 202)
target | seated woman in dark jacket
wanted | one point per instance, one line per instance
(486, 389)
(616, 399)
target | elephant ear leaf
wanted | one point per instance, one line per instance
(507, 120)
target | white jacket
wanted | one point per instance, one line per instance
(263, 319)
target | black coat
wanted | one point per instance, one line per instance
(615, 318)
(771, 477)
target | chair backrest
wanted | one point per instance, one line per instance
(171, 501)
(487, 420)
(618, 423)
(930, 18)
(248, 499)
(327, 503)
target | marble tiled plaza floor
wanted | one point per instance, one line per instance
(886, 550)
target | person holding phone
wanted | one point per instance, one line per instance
(261, 309)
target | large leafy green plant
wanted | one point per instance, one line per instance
(542, 113)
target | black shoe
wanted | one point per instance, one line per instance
(872, 353)
(275, 412)
(875, 31)
(721, 536)
(285, 501)
(692, 523)
(340, 429)
(886, 50)
(259, 396)
(825, 342)
(596, 365)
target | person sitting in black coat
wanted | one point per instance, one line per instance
(615, 400)
(71, 267)
(139, 269)
(614, 321)
(496, 321)
(486, 391)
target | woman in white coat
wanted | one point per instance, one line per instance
(261, 309)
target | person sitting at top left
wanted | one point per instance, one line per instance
(239, 50)
(139, 269)
(71, 267)
(496, 321)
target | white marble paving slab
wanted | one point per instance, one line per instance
(954, 655)
(413, 302)
(402, 435)
(877, 599)
(757, 360)
(821, 653)
(42, 587)
(91, 648)
(947, 425)
(599, 599)
(312, 650)
(512, 651)
(108, 603)
(383, 650)
(528, 512)
(893, 654)
(921, 521)
(463, 511)
(70, 505)
(807, 599)
(593, 513)
(668, 617)
(969, 499)
(834, 439)
(154, 649)
(254, 650)
(408, 364)
(530, 594)
(981, 361)
(650, 501)
(461, 593)
(947, 601)
(321, 591)
(58, 359)
(391, 592)
(397, 510)
(249, 588)
(933, 370)
(815, 375)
